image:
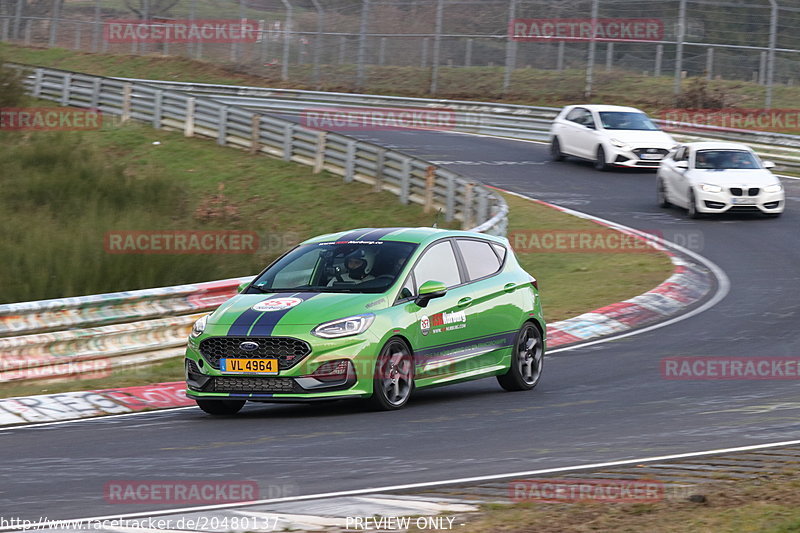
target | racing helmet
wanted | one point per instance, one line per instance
(358, 263)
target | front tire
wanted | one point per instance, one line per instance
(221, 407)
(526, 361)
(663, 199)
(555, 150)
(600, 163)
(394, 377)
(692, 209)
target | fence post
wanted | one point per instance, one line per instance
(710, 63)
(587, 92)
(350, 161)
(96, 27)
(188, 124)
(126, 103)
(67, 86)
(676, 89)
(4, 31)
(762, 69)
(468, 53)
(55, 15)
(511, 46)
(362, 45)
(430, 181)
(28, 30)
(288, 134)
(560, 56)
(222, 126)
(255, 133)
(609, 56)
(773, 36)
(424, 59)
(37, 82)
(466, 218)
(382, 52)
(78, 33)
(405, 180)
(437, 47)
(287, 39)
(342, 49)
(450, 199)
(17, 18)
(659, 59)
(158, 98)
(318, 41)
(319, 156)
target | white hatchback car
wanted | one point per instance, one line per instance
(609, 135)
(719, 177)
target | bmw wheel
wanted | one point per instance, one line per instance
(221, 407)
(526, 361)
(692, 209)
(394, 376)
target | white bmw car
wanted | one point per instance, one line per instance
(719, 177)
(609, 136)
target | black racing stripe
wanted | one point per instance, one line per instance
(507, 339)
(378, 234)
(353, 235)
(242, 324)
(264, 325)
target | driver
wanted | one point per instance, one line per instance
(357, 268)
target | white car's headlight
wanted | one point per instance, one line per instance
(344, 327)
(707, 187)
(773, 188)
(621, 145)
(198, 327)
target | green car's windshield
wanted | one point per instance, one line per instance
(725, 159)
(351, 266)
(626, 120)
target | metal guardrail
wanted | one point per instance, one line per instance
(505, 120)
(93, 334)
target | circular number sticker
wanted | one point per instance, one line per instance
(276, 304)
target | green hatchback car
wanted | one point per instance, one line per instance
(374, 314)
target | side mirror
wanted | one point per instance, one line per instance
(242, 286)
(769, 164)
(682, 164)
(428, 291)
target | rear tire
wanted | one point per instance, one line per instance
(600, 163)
(221, 407)
(526, 360)
(555, 150)
(394, 377)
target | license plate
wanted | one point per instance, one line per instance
(745, 201)
(652, 156)
(249, 366)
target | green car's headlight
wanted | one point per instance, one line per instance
(773, 188)
(199, 327)
(344, 327)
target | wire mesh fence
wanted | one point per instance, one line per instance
(341, 42)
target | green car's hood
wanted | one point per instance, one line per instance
(248, 312)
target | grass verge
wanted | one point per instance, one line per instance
(770, 504)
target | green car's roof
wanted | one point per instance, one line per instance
(421, 235)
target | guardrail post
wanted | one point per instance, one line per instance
(350, 161)
(319, 155)
(430, 178)
(466, 218)
(188, 123)
(37, 82)
(222, 126)
(380, 161)
(288, 133)
(483, 207)
(450, 200)
(97, 86)
(126, 102)
(67, 85)
(255, 133)
(157, 101)
(405, 180)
